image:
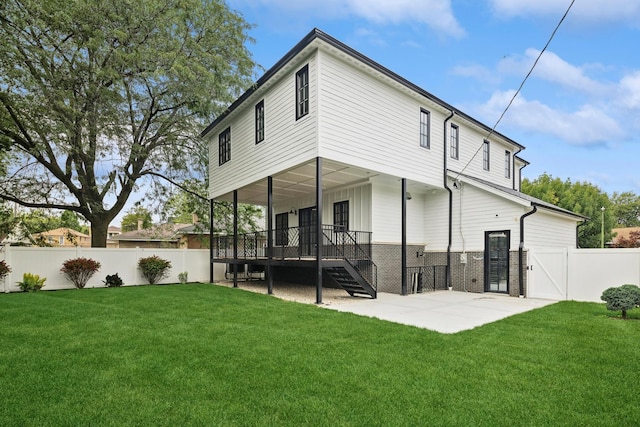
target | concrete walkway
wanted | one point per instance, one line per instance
(441, 311)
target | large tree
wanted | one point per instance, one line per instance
(579, 197)
(96, 96)
(626, 209)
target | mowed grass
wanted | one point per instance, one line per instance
(209, 355)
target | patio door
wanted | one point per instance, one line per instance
(496, 261)
(307, 224)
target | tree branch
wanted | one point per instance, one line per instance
(183, 188)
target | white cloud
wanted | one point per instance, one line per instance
(629, 91)
(554, 69)
(590, 11)
(586, 126)
(436, 14)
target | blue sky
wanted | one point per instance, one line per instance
(578, 115)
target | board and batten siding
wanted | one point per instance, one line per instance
(545, 229)
(436, 220)
(368, 123)
(386, 207)
(287, 143)
(359, 198)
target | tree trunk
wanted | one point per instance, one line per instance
(624, 314)
(99, 229)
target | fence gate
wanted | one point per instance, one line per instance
(547, 273)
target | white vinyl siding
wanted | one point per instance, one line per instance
(544, 229)
(368, 123)
(291, 141)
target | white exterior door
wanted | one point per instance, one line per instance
(547, 274)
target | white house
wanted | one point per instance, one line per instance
(406, 192)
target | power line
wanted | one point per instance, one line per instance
(520, 87)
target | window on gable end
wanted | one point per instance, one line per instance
(455, 141)
(485, 155)
(302, 92)
(425, 124)
(260, 122)
(224, 146)
(507, 164)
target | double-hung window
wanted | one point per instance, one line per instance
(302, 92)
(425, 118)
(455, 141)
(260, 122)
(224, 146)
(485, 155)
(507, 164)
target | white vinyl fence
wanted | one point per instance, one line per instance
(580, 274)
(46, 262)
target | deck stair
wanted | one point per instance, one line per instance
(351, 280)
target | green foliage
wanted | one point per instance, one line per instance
(112, 281)
(622, 298)
(580, 197)
(154, 268)
(135, 214)
(7, 220)
(31, 282)
(70, 219)
(625, 208)
(80, 270)
(119, 86)
(183, 277)
(4, 269)
(39, 220)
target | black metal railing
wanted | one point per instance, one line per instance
(426, 278)
(296, 243)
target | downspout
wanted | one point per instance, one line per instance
(211, 209)
(521, 250)
(446, 186)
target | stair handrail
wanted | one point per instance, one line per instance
(353, 261)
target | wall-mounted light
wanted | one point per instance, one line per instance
(408, 196)
(419, 253)
(293, 211)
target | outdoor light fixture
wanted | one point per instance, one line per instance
(293, 211)
(408, 196)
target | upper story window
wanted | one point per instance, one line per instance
(302, 92)
(507, 164)
(425, 123)
(224, 146)
(260, 122)
(455, 141)
(341, 216)
(485, 155)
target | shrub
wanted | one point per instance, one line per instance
(112, 281)
(183, 277)
(79, 270)
(154, 268)
(31, 282)
(4, 269)
(622, 298)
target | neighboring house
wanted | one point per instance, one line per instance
(185, 236)
(64, 237)
(111, 232)
(622, 233)
(405, 191)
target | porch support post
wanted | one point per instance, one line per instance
(319, 239)
(235, 238)
(269, 233)
(211, 205)
(403, 262)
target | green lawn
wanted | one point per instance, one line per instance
(210, 355)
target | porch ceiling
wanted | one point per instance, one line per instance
(300, 181)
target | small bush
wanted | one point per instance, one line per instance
(31, 282)
(112, 281)
(183, 277)
(154, 268)
(622, 298)
(4, 269)
(80, 270)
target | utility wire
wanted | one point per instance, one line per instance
(519, 88)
